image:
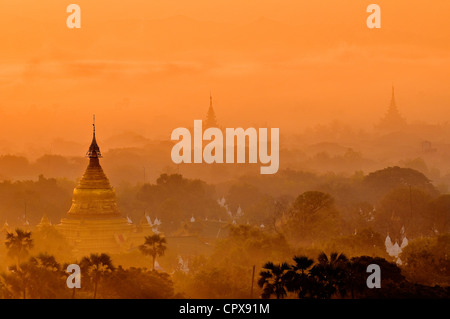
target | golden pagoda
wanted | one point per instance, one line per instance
(93, 222)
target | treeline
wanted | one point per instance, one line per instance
(41, 276)
(227, 272)
(352, 214)
(271, 218)
(398, 201)
(336, 276)
(15, 167)
(28, 200)
(394, 200)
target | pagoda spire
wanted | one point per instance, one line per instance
(210, 116)
(210, 99)
(393, 105)
(393, 110)
(392, 120)
(94, 150)
(93, 195)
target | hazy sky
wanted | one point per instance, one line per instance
(149, 66)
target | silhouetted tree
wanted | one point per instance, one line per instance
(137, 283)
(47, 277)
(274, 279)
(330, 275)
(18, 244)
(381, 182)
(356, 276)
(392, 281)
(19, 280)
(154, 246)
(406, 208)
(426, 260)
(299, 280)
(438, 214)
(39, 277)
(311, 216)
(96, 266)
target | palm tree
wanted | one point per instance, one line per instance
(154, 245)
(330, 273)
(20, 279)
(39, 277)
(274, 279)
(356, 276)
(97, 266)
(18, 244)
(46, 276)
(302, 263)
(299, 280)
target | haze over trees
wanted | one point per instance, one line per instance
(217, 232)
(350, 189)
(336, 276)
(41, 276)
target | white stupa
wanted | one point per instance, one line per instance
(129, 220)
(149, 220)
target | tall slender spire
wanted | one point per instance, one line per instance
(210, 116)
(94, 150)
(393, 105)
(210, 99)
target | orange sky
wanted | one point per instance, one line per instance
(148, 66)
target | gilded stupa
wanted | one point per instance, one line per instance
(94, 223)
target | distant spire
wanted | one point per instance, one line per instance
(44, 221)
(210, 116)
(393, 98)
(393, 110)
(210, 99)
(94, 150)
(392, 120)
